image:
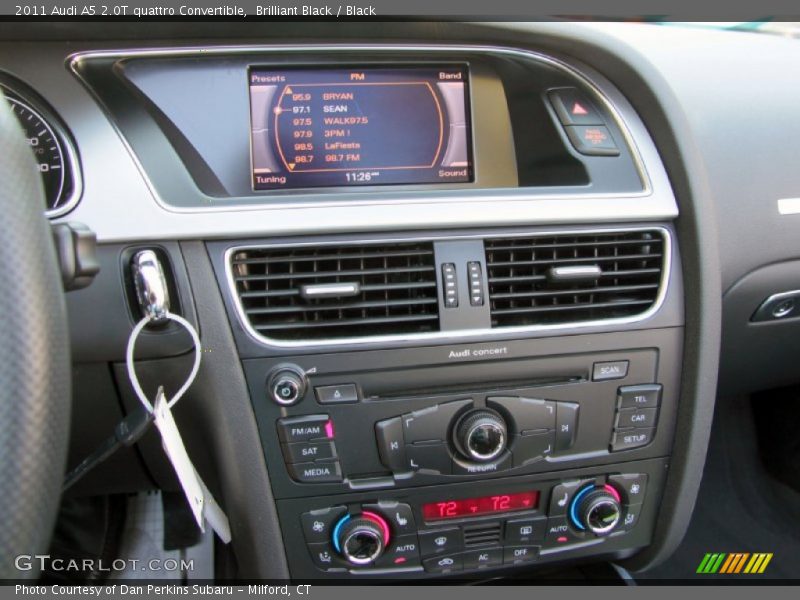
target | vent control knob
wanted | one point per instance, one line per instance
(286, 385)
(481, 435)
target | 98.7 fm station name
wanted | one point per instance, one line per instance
(226, 10)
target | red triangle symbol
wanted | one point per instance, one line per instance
(577, 109)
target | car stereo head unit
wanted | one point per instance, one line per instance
(359, 126)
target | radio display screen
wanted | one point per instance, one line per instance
(359, 126)
(485, 505)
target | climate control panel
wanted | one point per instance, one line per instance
(472, 533)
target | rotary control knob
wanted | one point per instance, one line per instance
(286, 385)
(361, 539)
(481, 435)
(596, 508)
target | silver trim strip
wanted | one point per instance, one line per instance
(75, 59)
(574, 273)
(789, 206)
(330, 290)
(443, 335)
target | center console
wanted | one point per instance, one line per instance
(454, 285)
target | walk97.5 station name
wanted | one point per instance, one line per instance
(222, 10)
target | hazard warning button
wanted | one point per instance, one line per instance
(573, 108)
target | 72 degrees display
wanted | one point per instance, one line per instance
(370, 126)
(485, 505)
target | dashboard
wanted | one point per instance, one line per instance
(459, 288)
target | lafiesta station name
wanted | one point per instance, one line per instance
(347, 10)
(478, 352)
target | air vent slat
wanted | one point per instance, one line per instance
(521, 292)
(392, 290)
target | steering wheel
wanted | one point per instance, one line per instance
(34, 361)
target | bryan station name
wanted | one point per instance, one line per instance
(347, 10)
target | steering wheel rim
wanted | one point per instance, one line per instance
(35, 385)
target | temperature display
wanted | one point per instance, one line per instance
(486, 505)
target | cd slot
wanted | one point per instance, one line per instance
(481, 388)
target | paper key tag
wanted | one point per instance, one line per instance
(200, 499)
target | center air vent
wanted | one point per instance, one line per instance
(570, 278)
(335, 292)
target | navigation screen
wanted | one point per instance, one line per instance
(374, 126)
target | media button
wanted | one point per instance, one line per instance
(316, 472)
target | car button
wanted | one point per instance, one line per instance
(306, 451)
(316, 472)
(633, 417)
(631, 438)
(440, 541)
(481, 559)
(573, 108)
(317, 524)
(308, 427)
(604, 371)
(334, 394)
(592, 140)
(639, 396)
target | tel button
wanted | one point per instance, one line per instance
(639, 396)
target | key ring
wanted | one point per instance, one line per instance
(132, 371)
